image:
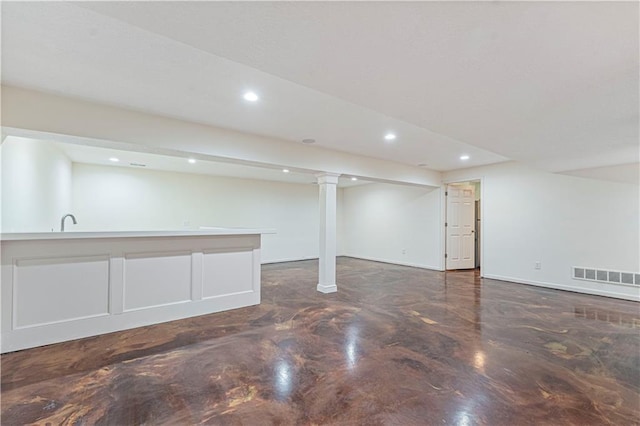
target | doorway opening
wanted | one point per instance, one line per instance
(463, 225)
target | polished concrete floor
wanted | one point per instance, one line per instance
(395, 345)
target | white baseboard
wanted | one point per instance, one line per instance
(299, 259)
(289, 259)
(596, 292)
(395, 262)
(324, 288)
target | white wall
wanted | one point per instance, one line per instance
(36, 185)
(340, 223)
(561, 221)
(120, 198)
(382, 220)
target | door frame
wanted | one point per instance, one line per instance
(443, 219)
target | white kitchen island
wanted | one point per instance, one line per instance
(62, 286)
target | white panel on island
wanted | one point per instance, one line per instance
(63, 286)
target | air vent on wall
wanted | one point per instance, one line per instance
(605, 276)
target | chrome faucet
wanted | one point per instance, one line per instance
(73, 218)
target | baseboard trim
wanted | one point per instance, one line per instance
(292, 259)
(393, 262)
(323, 288)
(554, 286)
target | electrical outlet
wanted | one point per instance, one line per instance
(538, 265)
(404, 251)
(186, 223)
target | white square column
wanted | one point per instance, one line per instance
(328, 183)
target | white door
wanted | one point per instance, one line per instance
(460, 225)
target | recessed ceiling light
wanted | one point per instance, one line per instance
(250, 96)
(389, 136)
(354, 178)
(308, 141)
(192, 160)
(464, 157)
(285, 170)
(114, 159)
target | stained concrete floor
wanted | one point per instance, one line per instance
(395, 346)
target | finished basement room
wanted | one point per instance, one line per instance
(320, 213)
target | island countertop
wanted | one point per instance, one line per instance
(202, 232)
(60, 286)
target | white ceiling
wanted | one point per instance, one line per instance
(626, 173)
(550, 83)
(86, 154)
